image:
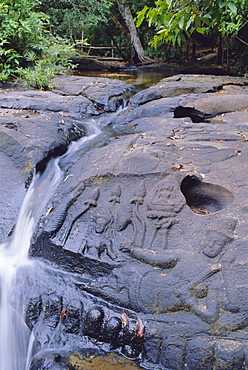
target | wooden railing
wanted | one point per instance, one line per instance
(89, 48)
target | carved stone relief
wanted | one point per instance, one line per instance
(165, 248)
(138, 224)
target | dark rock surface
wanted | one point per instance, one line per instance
(35, 125)
(186, 84)
(105, 93)
(27, 137)
(143, 248)
(88, 63)
(36, 100)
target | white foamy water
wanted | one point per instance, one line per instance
(15, 338)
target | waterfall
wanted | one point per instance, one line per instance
(15, 338)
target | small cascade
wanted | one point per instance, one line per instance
(15, 338)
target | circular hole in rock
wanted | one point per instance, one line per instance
(203, 197)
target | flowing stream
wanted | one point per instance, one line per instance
(15, 338)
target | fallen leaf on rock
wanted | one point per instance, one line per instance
(139, 327)
(63, 314)
(49, 210)
(192, 148)
(201, 210)
(175, 137)
(133, 147)
(124, 319)
(63, 115)
(67, 177)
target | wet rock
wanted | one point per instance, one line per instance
(33, 311)
(38, 125)
(185, 84)
(71, 315)
(143, 247)
(200, 354)
(218, 103)
(46, 100)
(27, 140)
(48, 361)
(163, 230)
(198, 107)
(108, 94)
(111, 330)
(93, 322)
(156, 108)
(52, 311)
(12, 195)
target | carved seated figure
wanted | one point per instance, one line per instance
(189, 280)
(192, 280)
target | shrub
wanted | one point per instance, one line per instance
(27, 48)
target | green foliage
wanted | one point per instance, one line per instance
(80, 20)
(26, 46)
(72, 19)
(53, 61)
(20, 27)
(177, 20)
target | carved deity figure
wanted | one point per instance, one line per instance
(106, 225)
(68, 214)
(139, 225)
(152, 213)
(163, 204)
(132, 214)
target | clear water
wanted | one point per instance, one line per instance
(140, 79)
(16, 341)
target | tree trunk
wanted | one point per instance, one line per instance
(120, 26)
(135, 40)
(219, 49)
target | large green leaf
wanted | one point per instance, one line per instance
(181, 22)
(232, 7)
